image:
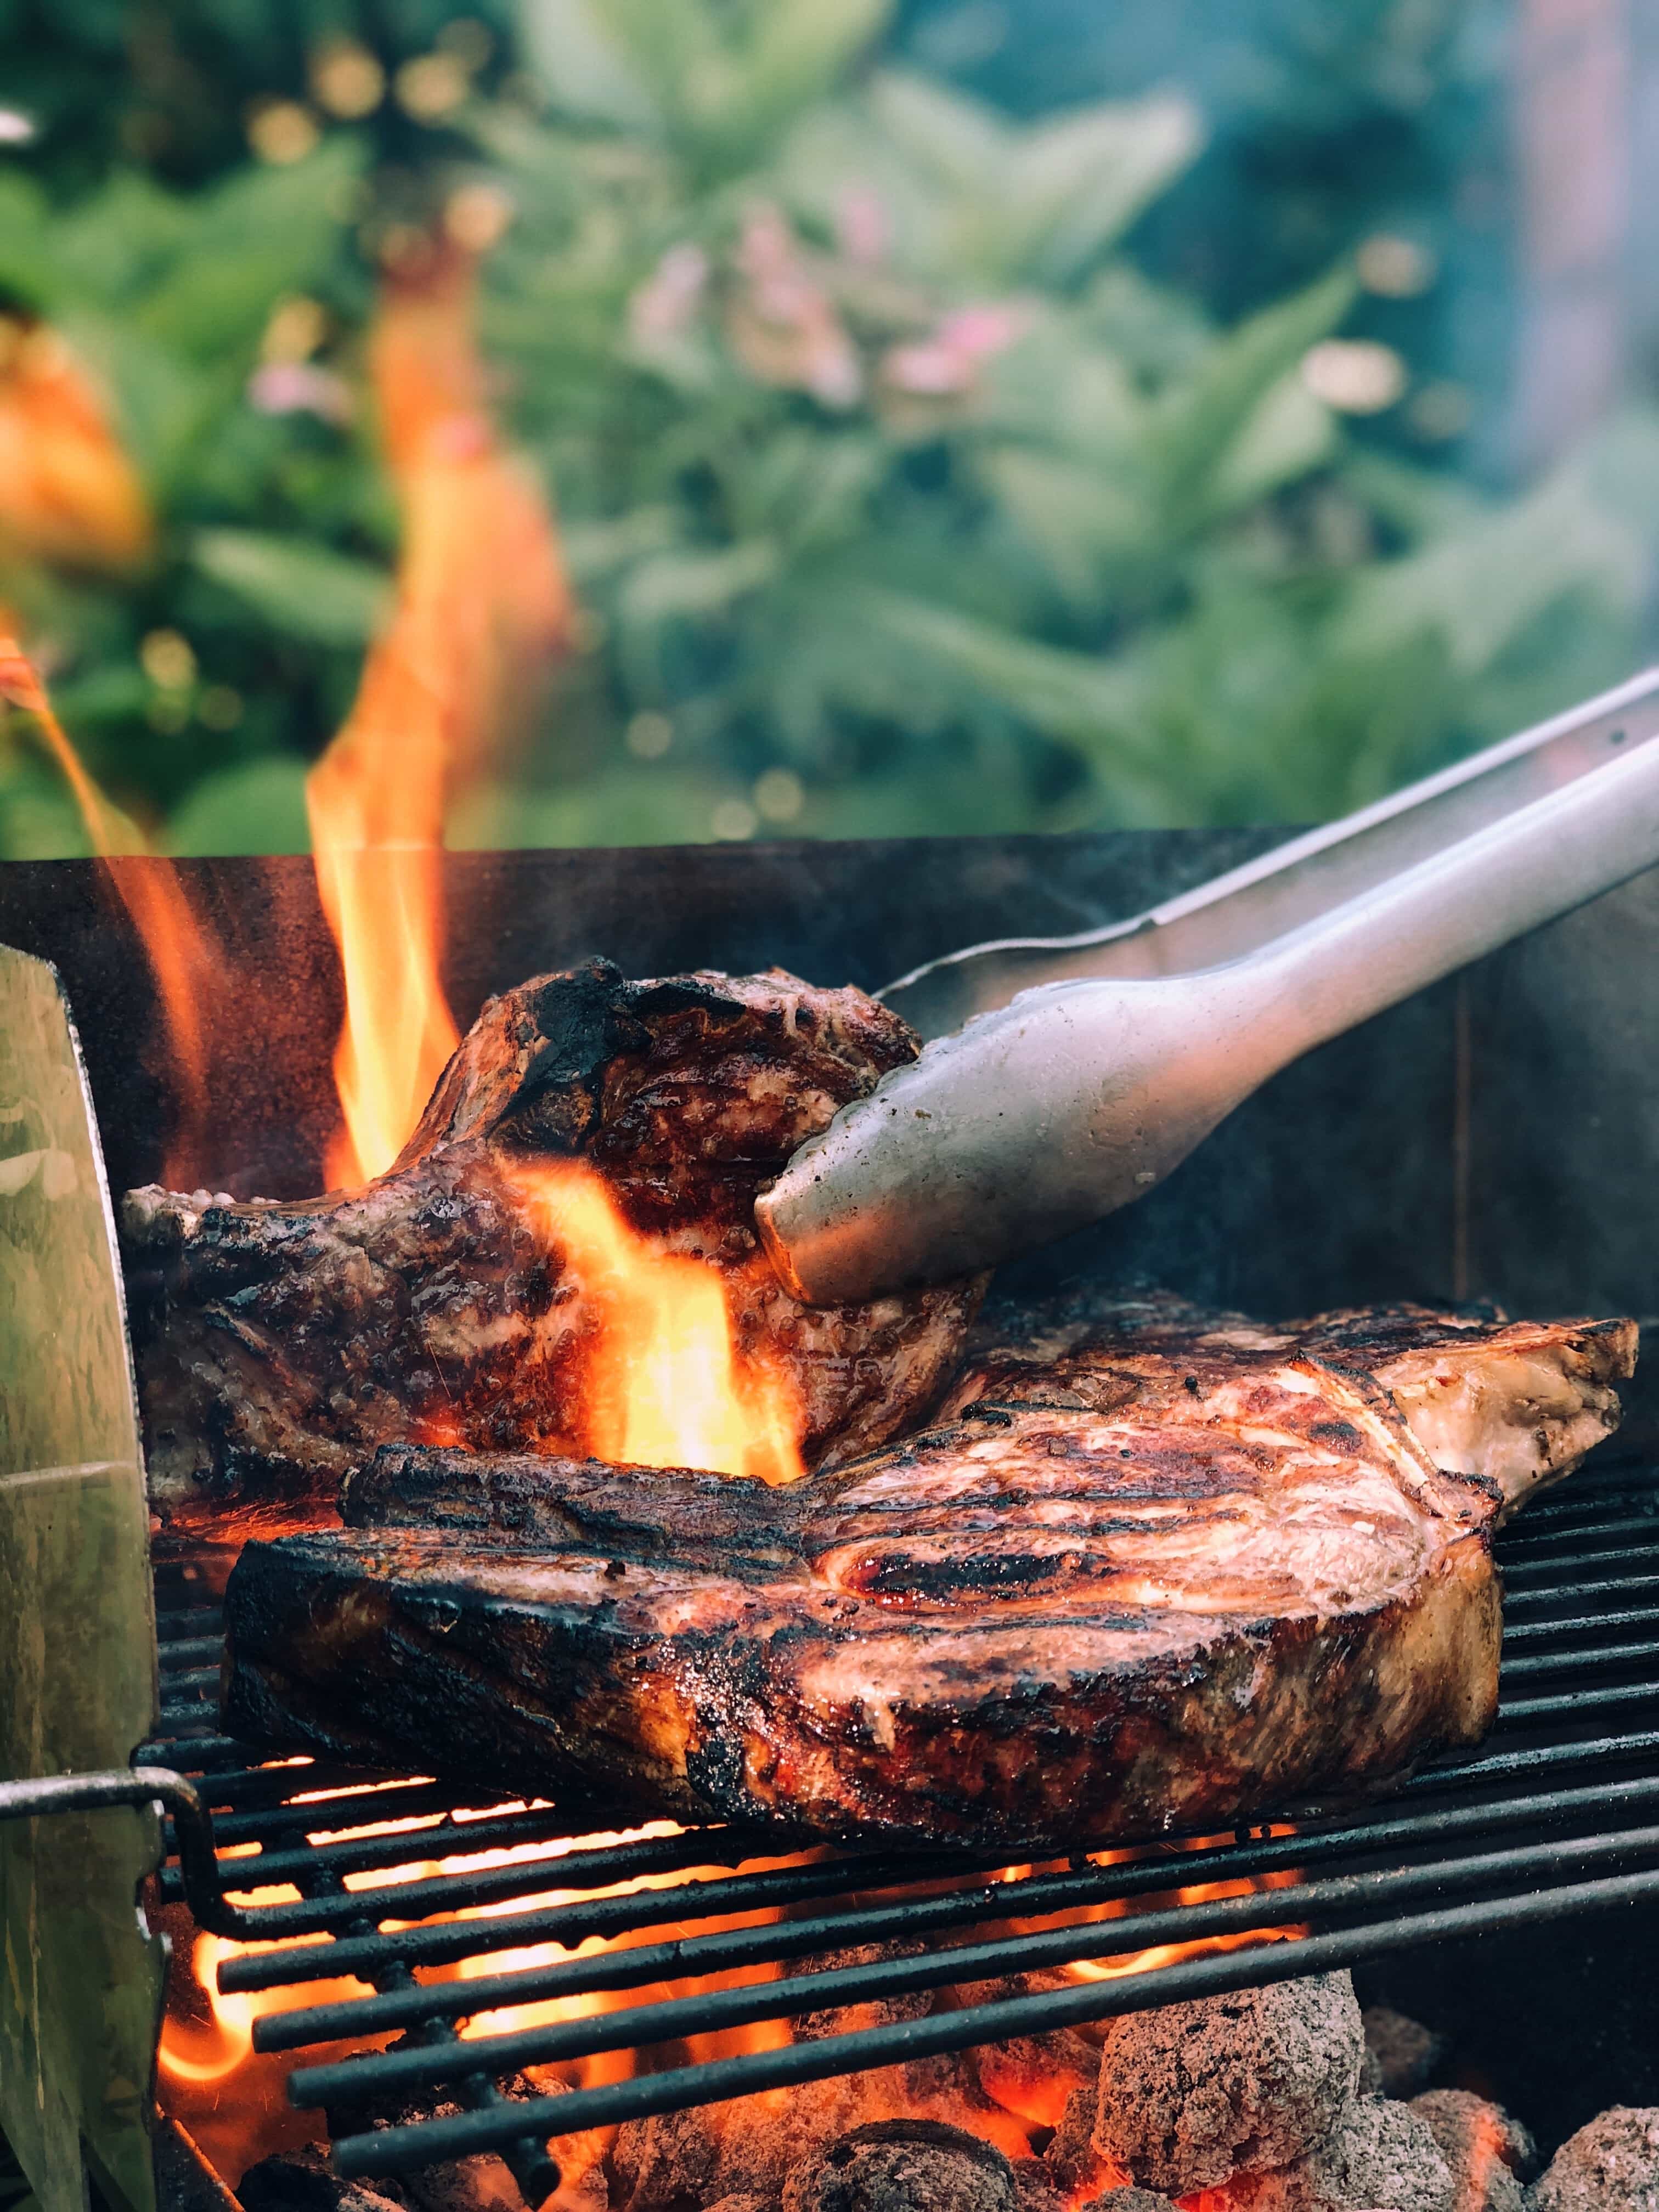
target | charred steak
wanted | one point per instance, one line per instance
(1173, 1577)
(284, 1342)
(1516, 1403)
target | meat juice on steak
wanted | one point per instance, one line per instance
(1179, 1572)
(288, 1340)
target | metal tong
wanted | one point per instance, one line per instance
(1077, 1071)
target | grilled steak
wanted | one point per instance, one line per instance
(1516, 1403)
(1166, 1577)
(280, 1344)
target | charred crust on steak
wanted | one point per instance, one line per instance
(1276, 1598)
(281, 1344)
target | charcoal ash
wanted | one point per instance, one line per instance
(304, 2181)
(481, 2182)
(1378, 2157)
(1400, 2054)
(880, 2012)
(1193, 2094)
(904, 2165)
(1077, 2168)
(1610, 2166)
(1490, 2153)
(1129, 2200)
(751, 2147)
(1034, 2187)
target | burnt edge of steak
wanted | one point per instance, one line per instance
(279, 1345)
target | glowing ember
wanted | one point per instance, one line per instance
(665, 1385)
(482, 604)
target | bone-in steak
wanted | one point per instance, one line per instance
(1197, 1580)
(280, 1344)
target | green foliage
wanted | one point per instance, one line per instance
(897, 497)
(273, 541)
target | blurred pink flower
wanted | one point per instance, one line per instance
(944, 365)
(299, 387)
(781, 324)
(862, 226)
(978, 332)
(928, 368)
(664, 306)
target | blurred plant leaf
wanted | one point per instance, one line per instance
(163, 405)
(261, 234)
(301, 589)
(795, 53)
(1285, 436)
(1072, 696)
(1053, 545)
(584, 68)
(1481, 587)
(26, 261)
(1081, 180)
(1199, 429)
(260, 807)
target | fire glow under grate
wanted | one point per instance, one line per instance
(1556, 1814)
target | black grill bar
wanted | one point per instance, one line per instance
(769, 1891)
(1523, 1602)
(1075, 1890)
(393, 2150)
(1584, 1624)
(1515, 1712)
(1029, 1951)
(372, 1854)
(1620, 1559)
(1645, 1653)
(1583, 1498)
(1524, 1540)
(1557, 1815)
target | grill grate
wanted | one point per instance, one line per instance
(1557, 1815)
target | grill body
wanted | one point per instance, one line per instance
(1498, 1135)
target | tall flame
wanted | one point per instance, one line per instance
(180, 950)
(481, 603)
(665, 1385)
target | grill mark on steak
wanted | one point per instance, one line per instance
(1516, 1405)
(284, 1342)
(1040, 1623)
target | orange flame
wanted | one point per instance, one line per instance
(181, 951)
(483, 602)
(230, 2097)
(1114, 1968)
(208, 2073)
(68, 493)
(665, 1386)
